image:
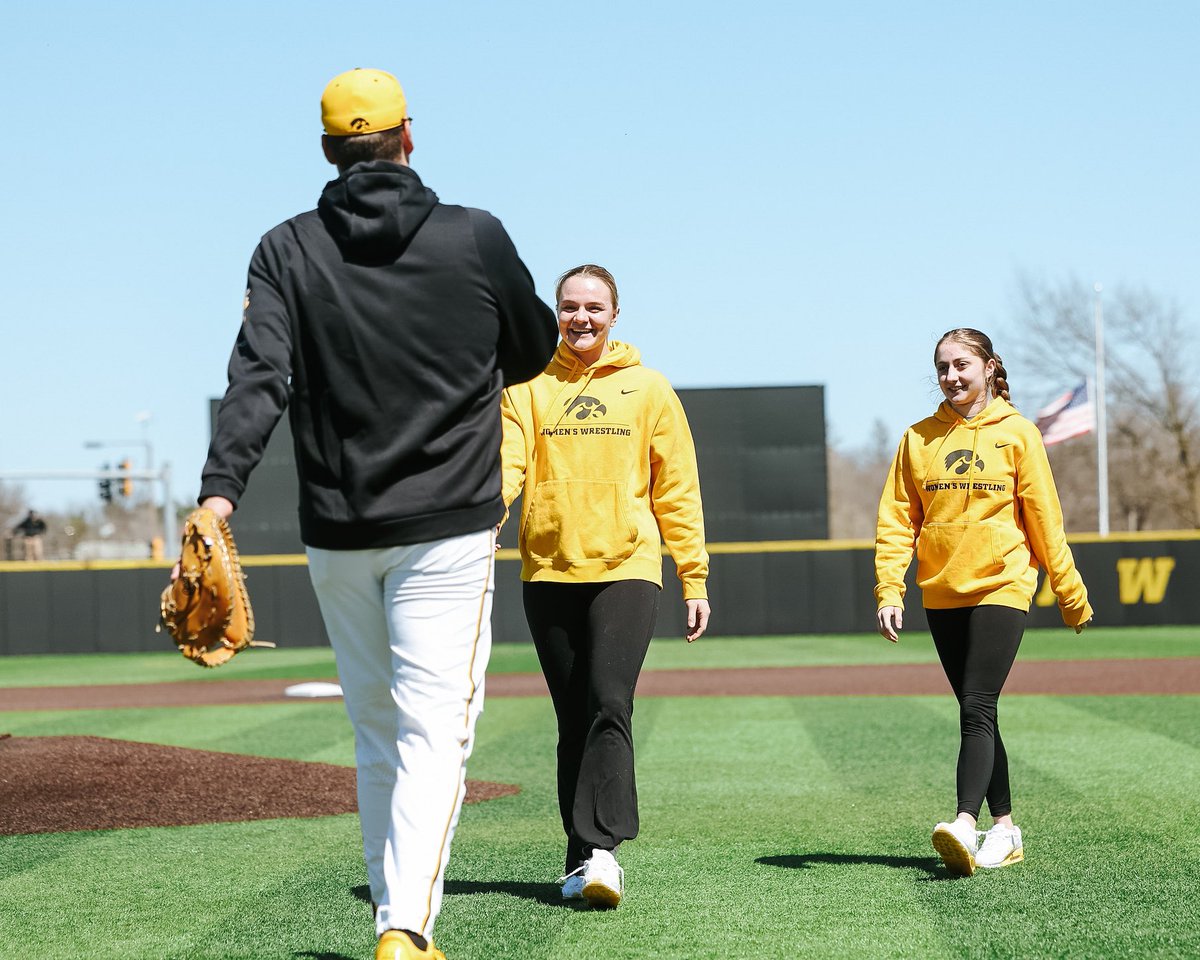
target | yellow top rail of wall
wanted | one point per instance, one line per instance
(714, 549)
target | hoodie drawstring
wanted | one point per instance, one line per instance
(582, 387)
(937, 454)
(548, 412)
(971, 475)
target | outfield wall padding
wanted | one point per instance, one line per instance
(756, 589)
(761, 453)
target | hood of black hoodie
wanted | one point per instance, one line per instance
(374, 209)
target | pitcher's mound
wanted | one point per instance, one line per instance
(53, 784)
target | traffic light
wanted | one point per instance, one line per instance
(106, 487)
(126, 481)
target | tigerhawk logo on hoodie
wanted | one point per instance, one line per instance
(588, 407)
(963, 459)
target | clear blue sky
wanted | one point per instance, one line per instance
(786, 192)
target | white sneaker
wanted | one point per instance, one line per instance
(1001, 847)
(572, 884)
(603, 880)
(956, 843)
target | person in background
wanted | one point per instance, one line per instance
(970, 489)
(387, 323)
(601, 447)
(32, 530)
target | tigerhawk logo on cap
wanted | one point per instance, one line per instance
(362, 101)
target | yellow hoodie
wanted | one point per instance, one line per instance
(606, 459)
(977, 499)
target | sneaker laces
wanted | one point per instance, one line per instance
(605, 860)
(566, 877)
(998, 834)
(961, 834)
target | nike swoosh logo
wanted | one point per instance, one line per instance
(1001, 445)
(634, 390)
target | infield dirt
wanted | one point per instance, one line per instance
(58, 784)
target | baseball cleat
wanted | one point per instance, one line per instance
(1001, 847)
(603, 880)
(397, 945)
(956, 843)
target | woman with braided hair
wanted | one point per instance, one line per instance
(971, 492)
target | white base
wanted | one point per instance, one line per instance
(314, 689)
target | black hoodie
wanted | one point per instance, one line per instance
(387, 323)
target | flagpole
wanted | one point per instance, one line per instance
(1101, 421)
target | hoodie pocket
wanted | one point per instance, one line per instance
(577, 520)
(957, 555)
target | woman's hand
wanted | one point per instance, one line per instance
(891, 620)
(697, 618)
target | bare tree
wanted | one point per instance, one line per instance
(856, 478)
(1153, 395)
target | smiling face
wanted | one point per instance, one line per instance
(964, 377)
(585, 316)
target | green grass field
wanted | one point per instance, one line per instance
(771, 827)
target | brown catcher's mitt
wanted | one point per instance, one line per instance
(207, 610)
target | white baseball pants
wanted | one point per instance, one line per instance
(411, 631)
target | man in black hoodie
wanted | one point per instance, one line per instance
(387, 324)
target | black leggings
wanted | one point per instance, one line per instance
(977, 647)
(592, 639)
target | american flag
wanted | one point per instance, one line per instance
(1070, 415)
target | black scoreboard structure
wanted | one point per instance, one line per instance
(761, 452)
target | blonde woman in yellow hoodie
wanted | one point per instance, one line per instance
(971, 490)
(601, 447)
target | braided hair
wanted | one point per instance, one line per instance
(980, 344)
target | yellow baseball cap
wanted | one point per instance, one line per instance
(362, 101)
